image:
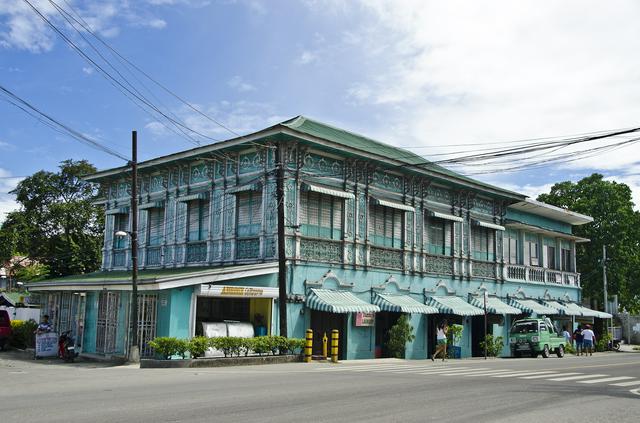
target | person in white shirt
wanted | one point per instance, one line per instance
(589, 339)
(441, 336)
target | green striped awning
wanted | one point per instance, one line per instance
(446, 216)
(454, 305)
(191, 197)
(569, 309)
(494, 305)
(392, 204)
(595, 313)
(244, 188)
(402, 304)
(327, 191)
(532, 306)
(338, 302)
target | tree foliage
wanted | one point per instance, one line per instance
(57, 224)
(615, 225)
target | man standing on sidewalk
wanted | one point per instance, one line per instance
(588, 340)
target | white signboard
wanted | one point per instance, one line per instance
(229, 291)
(47, 344)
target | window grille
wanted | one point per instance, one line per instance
(249, 205)
(321, 215)
(107, 322)
(147, 312)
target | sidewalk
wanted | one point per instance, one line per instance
(629, 348)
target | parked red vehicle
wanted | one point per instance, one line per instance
(5, 328)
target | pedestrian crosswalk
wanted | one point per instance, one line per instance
(463, 371)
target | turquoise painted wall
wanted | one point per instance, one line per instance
(416, 350)
(163, 317)
(180, 312)
(543, 222)
(90, 323)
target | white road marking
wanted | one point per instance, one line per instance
(493, 372)
(521, 374)
(562, 379)
(609, 379)
(632, 383)
(550, 375)
(473, 372)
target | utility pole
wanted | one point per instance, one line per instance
(282, 260)
(134, 351)
(604, 275)
(486, 294)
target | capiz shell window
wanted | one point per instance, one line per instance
(249, 213)
(321, 215)
(385, 226)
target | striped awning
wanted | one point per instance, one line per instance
(487, 225)
(595, 313)
(392, 204)
(327, 191)
(151, 205)
(338, 302)
(244, 188)
(532, 306)
(569, 309)
(494, 305)
(120, 210)
(444, 216)
(198, 196)
(454, 305)
(402, 304)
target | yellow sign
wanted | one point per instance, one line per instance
(236, 291)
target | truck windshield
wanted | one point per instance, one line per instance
(525, 327)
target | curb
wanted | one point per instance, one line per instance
(150, 363)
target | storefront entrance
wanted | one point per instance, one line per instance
(256, 311)
(384, 321)
(477, 331)
(323, 323)
(433, 323)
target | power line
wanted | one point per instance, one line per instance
(57, 125)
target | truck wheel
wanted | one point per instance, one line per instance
(545, 352)
(560, 351)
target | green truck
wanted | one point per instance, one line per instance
(535, 336)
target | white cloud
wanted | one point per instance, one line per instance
(240, 85)
(306, 57)
(7, 201)
(156, 128)
(155, 23)
(88, 70)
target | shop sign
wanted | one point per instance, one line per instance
(365, 319)
(47, 344)
(237, 291)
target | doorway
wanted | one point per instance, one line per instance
(384, 321)
(323, 323)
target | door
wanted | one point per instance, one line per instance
(323, 323)
(107, 324)
(384, 321)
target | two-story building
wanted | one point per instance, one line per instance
(371, 231)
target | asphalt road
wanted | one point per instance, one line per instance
(605, 387)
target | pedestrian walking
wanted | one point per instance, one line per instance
(577, 336)
(588, 340)
(441, 337)
(566, 335)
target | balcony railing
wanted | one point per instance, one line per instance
(119, 258)
(197, 252)
(518, 272)
(154, 256)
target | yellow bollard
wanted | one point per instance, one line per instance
(334, 346)
(308, 346)
(325, 341)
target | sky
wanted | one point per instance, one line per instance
(431, 76)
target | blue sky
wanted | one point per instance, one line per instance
(412, 73)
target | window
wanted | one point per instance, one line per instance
(483, 243)
(121, 223)
(551, 257)
(321, 215)
(385, 226)
(198, 218)
(155, 219)
(531, 255)
(511, 248)
(438, 233)
(249, 213)
(566, 262)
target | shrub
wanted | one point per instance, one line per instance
(603, 342)
(22, 333)
(295, 344)
(399, 335)
(229, 345)
(494, 345)
(276, 343)
(569, 349)
(198, 346)
(246, 345)
(166, 346)
(182, 346)
(455, 334)
(261, 345)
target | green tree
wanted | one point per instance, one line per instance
(57, 224)
(615, 225)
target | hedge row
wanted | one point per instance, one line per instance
(166, 347)
(22, 336)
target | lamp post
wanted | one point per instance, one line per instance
(134, 351)
(486, 294)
